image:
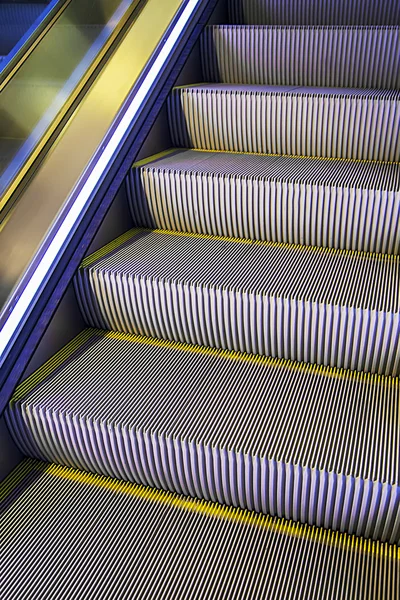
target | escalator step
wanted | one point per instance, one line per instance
(71, 535)
(350, 205)
(312, 444)
(290, 120)
(355, 57)
(315, 305)
(315, 12)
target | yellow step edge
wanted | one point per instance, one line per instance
(160, 155)
(154, 157)
(112, 246)
(312, 157)
(298, 530)
(50, 365)
(272, 362)
(275, 362)
(104, 250)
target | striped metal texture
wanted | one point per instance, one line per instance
(350, 205)
(355, 57)
(296, 302)
(315, 12)
(72, 535)
(306, 443)
(301, 121)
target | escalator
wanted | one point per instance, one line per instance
(223, 419)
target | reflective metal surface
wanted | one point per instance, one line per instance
(22, 27)
(28, 223)
(33, 100)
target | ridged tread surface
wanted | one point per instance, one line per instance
(311, 444)
(292, 120)
(349, 205)
(68, 534)
(314, 12)
(296, 302)
(355, 57)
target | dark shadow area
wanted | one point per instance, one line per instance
(21, 487)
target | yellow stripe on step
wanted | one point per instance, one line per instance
(53, 363)
(313, 534)
(114, 245)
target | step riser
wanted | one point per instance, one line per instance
(314, 12)
(209, 424)
(258, 209)
(285, 490)
(290, 124)
(362, 340)
(337, 57)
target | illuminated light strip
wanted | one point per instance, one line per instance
(80, 203)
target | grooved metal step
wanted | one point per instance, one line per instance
(315, 12)
(309, 304)
(312, 444)
(350, 205)
(355, 57)
(72, 535)
(301, 121)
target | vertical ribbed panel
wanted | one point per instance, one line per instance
(314, 12)
(235, 429)
(355, 57)
(340, 204)
(302, 304)
(330, 500)
(354, 124)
